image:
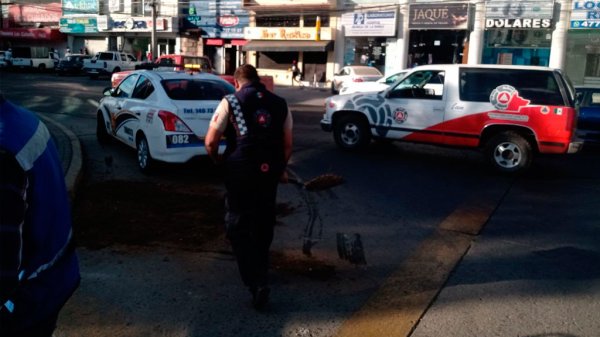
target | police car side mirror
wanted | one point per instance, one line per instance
(108, 91)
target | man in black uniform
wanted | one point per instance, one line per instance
(258, 127)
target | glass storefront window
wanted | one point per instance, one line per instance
(311, 20)
(366, 51)
(515, 38)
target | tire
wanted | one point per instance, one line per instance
(509, 152)
(101, 133)
(144, 159)
(351, 133)
(42, 67)
(116, 70)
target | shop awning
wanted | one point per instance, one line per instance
(278, 45)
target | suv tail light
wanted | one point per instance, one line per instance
(172, 123)
(357, 79)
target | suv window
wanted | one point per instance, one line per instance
(538, 86)
(105, 56)
(427, 84)
(185, 89)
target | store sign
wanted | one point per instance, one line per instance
(217, 18)
(132, 24)
(225, 26)
(78, 25)
(286, 33)
(526, 14)
(382, 23)
(31, 33)
(80, 7)
(518, 23)
(438, 16)
(31, 13)
(585, 14)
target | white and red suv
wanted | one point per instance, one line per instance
(510, 112)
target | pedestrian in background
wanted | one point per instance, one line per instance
(258, 127)
(68, 52)
(39, 269)
(296, 75)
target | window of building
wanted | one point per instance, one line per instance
(311, 20)
(266, 20)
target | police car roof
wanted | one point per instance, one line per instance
(170, 74)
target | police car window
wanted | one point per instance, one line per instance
(125, 89)
(194, 89)
(427, 84)
(540, 87)
(143, 89)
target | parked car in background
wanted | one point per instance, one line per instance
(5, 61)
(40, 58)
(588, 124)
(109, 62)
(354, 74)
(72, 64)
(164, 115)
(509, 112)
(379, 85)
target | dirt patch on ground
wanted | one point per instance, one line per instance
(138, 213)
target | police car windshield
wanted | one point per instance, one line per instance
(196, 90)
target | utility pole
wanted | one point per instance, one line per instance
(153, 34)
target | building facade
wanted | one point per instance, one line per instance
(321, 35)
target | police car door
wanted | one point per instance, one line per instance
(122, 117)
(416, 107)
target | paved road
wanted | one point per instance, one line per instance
(532, 271)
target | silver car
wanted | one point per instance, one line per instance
(354, 74)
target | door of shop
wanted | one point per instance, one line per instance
(315, 66)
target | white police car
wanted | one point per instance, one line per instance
(163, 115)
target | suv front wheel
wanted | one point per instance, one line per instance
(351, 133)
(509, 152)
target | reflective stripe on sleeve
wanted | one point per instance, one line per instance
(34, 148)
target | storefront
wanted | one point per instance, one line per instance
(583, 43)
(438, 33)
(518, 32)
(32, 25)
(274, 48)
(366, 37)
(220, 26)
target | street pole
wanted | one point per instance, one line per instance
(153, 34)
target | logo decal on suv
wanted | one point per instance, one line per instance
(506, 97)
(400, 115)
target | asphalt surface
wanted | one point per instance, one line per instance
(527, 273)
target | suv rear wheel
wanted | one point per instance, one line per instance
(509, 152)
(351, 133)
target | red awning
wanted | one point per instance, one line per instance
(214, 42)
(238, 42)
(32, 34)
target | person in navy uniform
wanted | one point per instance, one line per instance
(39, 270)
(257, 125)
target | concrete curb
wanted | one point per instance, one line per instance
(73, 174)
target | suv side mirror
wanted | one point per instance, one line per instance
(578, 97)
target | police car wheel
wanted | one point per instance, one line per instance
(351, 133)
(509, 152)
(145, 161)
(101, 133)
